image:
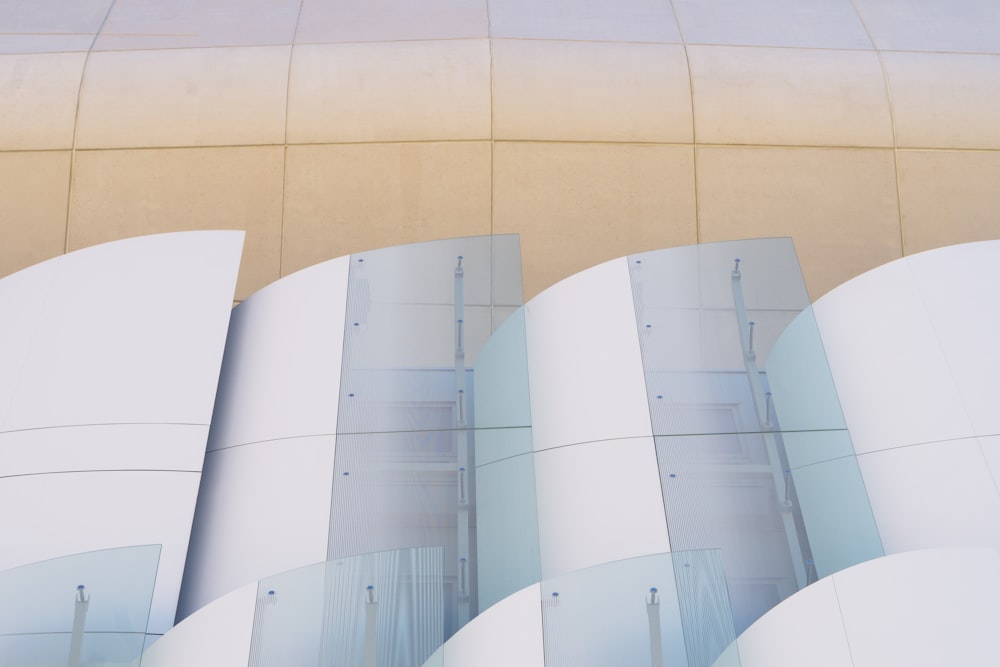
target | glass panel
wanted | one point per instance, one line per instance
(384, 609)
(666, 609)
(402, 490)
(93, 605)
(740, 397)
(502, 398)
(508, 556)
(834, 507)
(418, 318)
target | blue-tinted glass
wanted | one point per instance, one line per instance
(94, 605)
(384, 609)
(660, 610)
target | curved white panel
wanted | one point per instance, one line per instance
(508, 633)
(781, 638)
(598, 502)
(936, 495)
(178, 447)
(64, 513)
(584, 362)
(217, 636)
(263, 508)
(109, 361)
(932, 607)
(281, 373)
(126, 332)
(893, 378)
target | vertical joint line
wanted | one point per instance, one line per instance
(892, 124)
(76, 124)
(284, 154)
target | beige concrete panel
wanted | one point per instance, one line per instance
(160, 24)
(932, 25)
(49, 26)
(830, 24)
(590, 91)
(948, 197)
(944, 100)
(33, 194)
(390, 20)
(349, 198)
(122, 193)
(184, 97)
(600, 20)
(38, 103)
(577, 205)
(795, 97)
(838, 204)
(395, 91)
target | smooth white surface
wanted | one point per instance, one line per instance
(598, 502)
(103, 447)
(584, 362)
(923, 608)
(126, 332)
(281, 374)
(937, 607)
(781, 638)
(263, 508)
(958, 288)
(46, 516)
(110, 361)
(508, 633)
(217, 636)
(935, 495)
(892, 375)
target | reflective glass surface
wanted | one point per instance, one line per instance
(742, 402)
(409, 428)
(662, 610)
(384, 609)
(91, 607)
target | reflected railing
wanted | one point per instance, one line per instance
(417, 319)
(85, 610)
(381, 609)
(753, 450)
(662, 610)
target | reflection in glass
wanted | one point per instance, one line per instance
(81, 610)
(378, 610)
(418, 317)
(660, 610)
(740, 395)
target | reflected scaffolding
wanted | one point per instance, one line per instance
(417, 319)
(740, 398)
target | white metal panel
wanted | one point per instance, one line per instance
(926, 608)
(45, 516)
(893, 379)
(131, 331)
(598, 502)
(508, 633)
(217, 636)
(958, 288)
(935, 495)
(584, 362)
(263, 508)
(281, 373)
(805, 629)
(922, 608)
(103, 447)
